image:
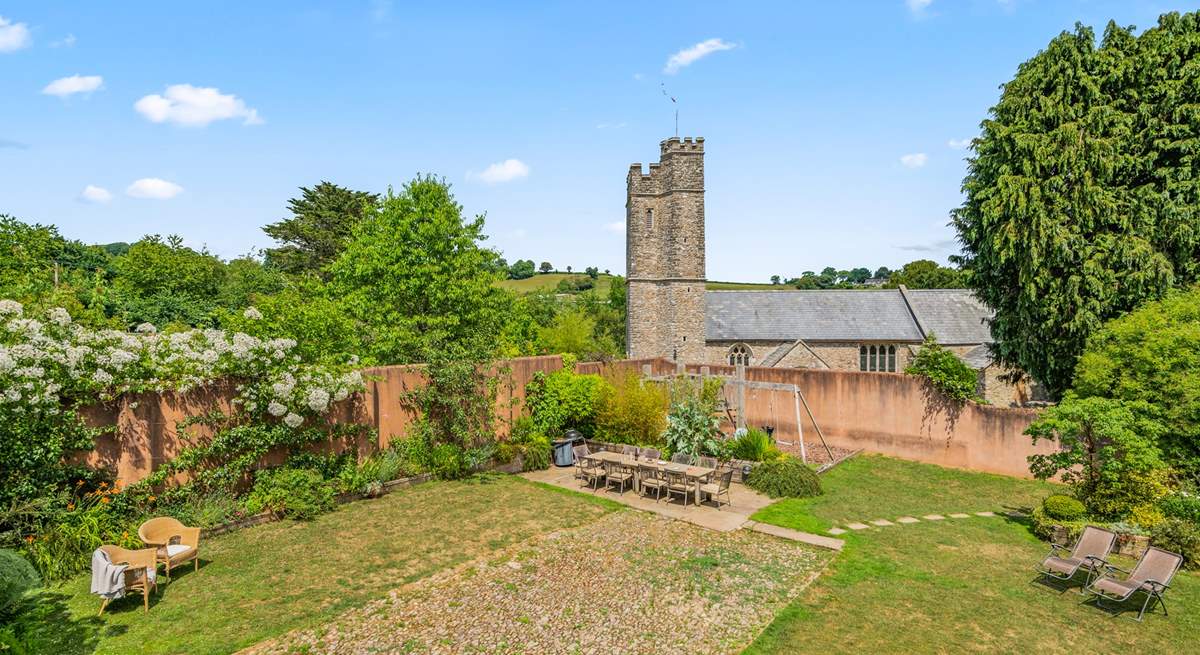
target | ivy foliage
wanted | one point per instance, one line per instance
(944, 370)
(1082, 196)
(1152, 355)
(1106, 452)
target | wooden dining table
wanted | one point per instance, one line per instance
(696, 474)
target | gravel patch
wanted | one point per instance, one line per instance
(630, 582)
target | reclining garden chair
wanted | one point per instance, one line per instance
(176, 542)
(1089, 553)
(1151, 576)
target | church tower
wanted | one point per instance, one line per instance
(664, 254)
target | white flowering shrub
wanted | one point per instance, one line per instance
(50, 366)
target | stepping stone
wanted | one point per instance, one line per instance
(857, 526)
(985, 513)
(907, 519)
(882, 522)
(933, 517)
(836, 531)
(960, 516)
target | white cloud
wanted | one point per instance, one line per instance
(940, 245)
(14, 36)
(917, 6)
(195, 106)
(65, 86)
(95, 194)
(502, 171)
(616, 227)
(914, 160)
(958, 144)
(153, 187)
(687, 56)
(65, 42)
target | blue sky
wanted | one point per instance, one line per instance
(831, 129)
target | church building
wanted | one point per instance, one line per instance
(671, 314)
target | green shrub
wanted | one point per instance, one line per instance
(786, 477)
(1181, 505)
(301, 494)
(447, 462)
(754, 445)
(629, 410)
(1043, 525)
(944, 370)
(1063, 508)
(1179, 536)
(65, 547)
(1106, 452)
(536, 454)
(204, 510)
(692, 429)
(562, 400)
(17, 576)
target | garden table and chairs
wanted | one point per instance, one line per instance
(688, 478)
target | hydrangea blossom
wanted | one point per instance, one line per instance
(252, 314)
(318, 399)
(11, 308)
(59, 316)
(293, 420)
(275, 408)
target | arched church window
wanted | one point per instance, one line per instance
(650, 219)
(740, 354)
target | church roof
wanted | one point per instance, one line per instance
(846, 315)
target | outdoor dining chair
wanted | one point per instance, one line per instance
(651, 478)
(719, 487)
(588, 471)
(1089, 552)
(581, 453)
(709, 462)
(631, 451)
(1152, 576)
(621, 474)
(139, 571)
(175, 542)
(651, 454)
(678, 485)
(681, 458)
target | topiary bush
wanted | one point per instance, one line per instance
(1179, 536)
(787, 477)
(17, 576)
(293, 493)
(1063, 508)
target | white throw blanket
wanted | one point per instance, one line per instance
(108, 579)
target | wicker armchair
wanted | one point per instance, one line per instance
(139, 572)
(175, 542)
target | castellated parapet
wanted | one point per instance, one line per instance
(664, 254)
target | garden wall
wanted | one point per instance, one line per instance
(147, 433)
(889, 413)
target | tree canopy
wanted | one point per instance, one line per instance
(322, 219)
(1082, 195)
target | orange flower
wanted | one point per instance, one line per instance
(79, 484)
(104, 500)
(70, 506)
(29, 539)
(103, 484)
(125, 535)
(152, 498)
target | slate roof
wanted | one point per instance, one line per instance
(978, 357)
(955, 316)
(846, 315)
(825, 315)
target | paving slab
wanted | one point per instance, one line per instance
(933, 517)
(882, 523)
(960, 515)
(836, 531)
(857, 526)
(796, 535)
(985, 513)
(907, 519)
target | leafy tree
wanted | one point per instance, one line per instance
(1152, 355)
(39, 267)
(304, 311)
(927, 274)
(1082, 198)
(163, 281)
(322, 220)
(521, 269)
(568, 269)
(1106, 452)
(247, 279)
(775, 279)
(572, 331)
(883, 273)
(592, 272)
(415, 275)
(858, 275)
(545, 267)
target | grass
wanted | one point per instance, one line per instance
(947, 586)
(264, 581)
(549, 282)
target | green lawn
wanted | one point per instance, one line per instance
(958, 585)
(264, 581)
(549, 282)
